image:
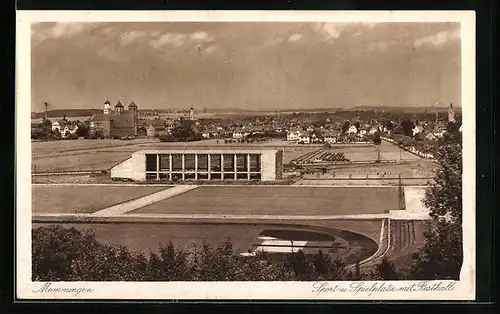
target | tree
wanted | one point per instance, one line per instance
(376, 139)
(442, 256)
(452, 127)
(99, 133)
(54, 250)
(46, 124)
(386, 271)
(183, 132)
(327, 269)
(397, 130)
(407, 125)
(37, 133)
(346, 126)
(301, 267)
(83, 130)
(388, 124)
(357, 125)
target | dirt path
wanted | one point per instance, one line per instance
(143, 201)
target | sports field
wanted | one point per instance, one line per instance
(57, 147)
(357, 153)
(291, 153)
(89, 155)
(92, 155)
(84, 199)
(278, 201)
(348, 244)
(87, 161)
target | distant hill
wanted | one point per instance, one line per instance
(66, 112)
(89, 112)
(404, 108)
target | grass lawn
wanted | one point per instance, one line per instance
(93, 160)
(79, 155)
(278, 201)
(40, 148)
(84, 199)
(389, 151)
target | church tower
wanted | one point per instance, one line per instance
(191, 113)
(132, 111)
(119, 108)
(107, 107)
(451, 113)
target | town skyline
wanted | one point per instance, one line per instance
(245, 66)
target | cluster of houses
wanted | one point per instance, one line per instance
(120, 121)
(432, 130)
(304, 134)
(331, 136)
(65, 127)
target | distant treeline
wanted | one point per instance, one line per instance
(411, 109)
(66, 112)
(89, 112)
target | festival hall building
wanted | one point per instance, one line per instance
(241, 164)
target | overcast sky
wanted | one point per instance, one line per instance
(245, 65)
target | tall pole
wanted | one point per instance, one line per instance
(45, 113)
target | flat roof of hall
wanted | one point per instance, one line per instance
(200, 149)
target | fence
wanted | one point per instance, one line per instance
(412, 150)
(370, 180)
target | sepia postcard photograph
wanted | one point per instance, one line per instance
(325, 155)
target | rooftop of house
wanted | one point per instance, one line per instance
(329, 133)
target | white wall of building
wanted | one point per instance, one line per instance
(133, 168)
(268, 166)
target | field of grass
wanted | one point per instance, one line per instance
(80, 155)
(41, 148)
(278, 201)
(80, 179)
(148, 237)
(390, 151)
(84, 199)
(93, 160)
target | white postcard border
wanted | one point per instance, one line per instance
(26, 289)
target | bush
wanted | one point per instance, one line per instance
(386, 271)
(183, 132)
